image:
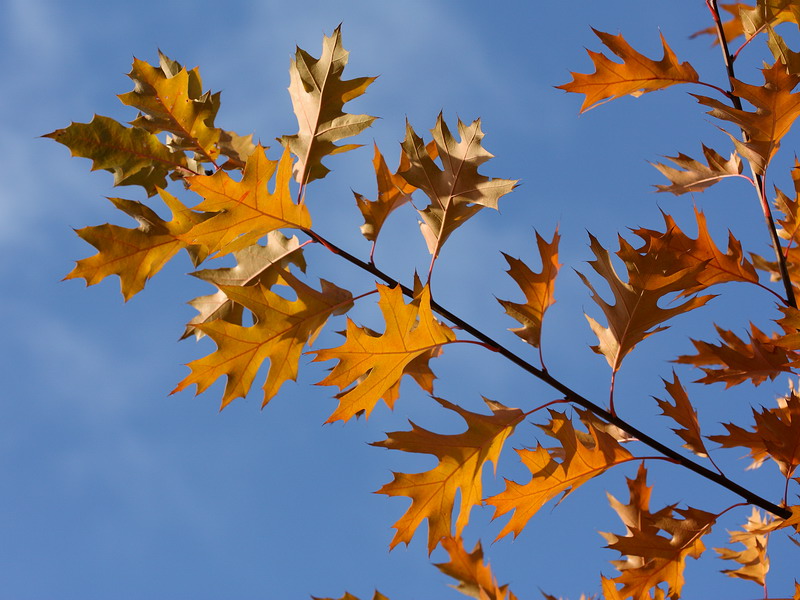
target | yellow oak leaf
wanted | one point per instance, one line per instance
(652, 558)
(281, 331)
(636, 75)
(538, 290)
(133, 155)
(475, 579)
(456, 191)
(246, 210)
(461, 461)
(582, 457)
(172, 99)
(636, 314)
(753, 560)
(376, 363)
(135, 255)
(318, 95)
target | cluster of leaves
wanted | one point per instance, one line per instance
(249, 203)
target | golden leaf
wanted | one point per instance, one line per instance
(461, 460)
(382, 360)
(282, 329)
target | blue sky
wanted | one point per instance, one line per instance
(113, 489)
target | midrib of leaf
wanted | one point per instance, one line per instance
(450, 196)
(315, 129)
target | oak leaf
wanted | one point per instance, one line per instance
(635, 76)
(734, 361)
(749, 20)
(318, 95)
(135, 255)
(172, 100)
(582, 457)
(775, 435)
(282, 329)
(133, 155)
(695, 176)
(635, 315)
(475, 579)
(461, 461)
(246, 210)
(776, 108)
(701, 253)
(254, 264)
(373, 364)
(753, 560)
(537, 287)
(652, 558)
(456, 191)
(393, 192)
(347, 596)
(684, 414)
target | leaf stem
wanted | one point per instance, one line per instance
(728, 59)
(569, 394)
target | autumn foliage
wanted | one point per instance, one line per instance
(229, 198)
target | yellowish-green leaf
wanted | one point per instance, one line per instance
(133, 155)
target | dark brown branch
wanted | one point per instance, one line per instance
(758, 179)
(569, 394)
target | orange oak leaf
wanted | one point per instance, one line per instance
(636, 314)
(789, 208)
(537, 287)
(246, 210)
(695, 176)
(753, 560)
(456, 191)
(775, 435)
(393, 192)
(172, 100)
(282, 328)
(684, 414)
(461, 461)
(374, 364)
(135, 255)
(133, 155)
(347, 596)
(635, 76)
(735, 361)
(475, 579)
(582, 457)
(254, 264)
(702, 253)
(652, 558)
(776, 106)
(318, 95)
